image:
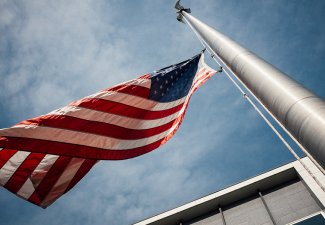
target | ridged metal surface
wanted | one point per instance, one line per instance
(298, 109)
(288, 203)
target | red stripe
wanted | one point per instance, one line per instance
(35, 199)
(93, 127)
(52, 176)
(124, 110)
(23, 172)
(145, 76)
(207, 76)
(5, 155)
(83, 170)
(73, 150)
(131, 90)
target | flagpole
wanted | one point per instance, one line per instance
(297, 109)
(216, 58)
(266, 119)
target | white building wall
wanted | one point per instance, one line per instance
(290, 193)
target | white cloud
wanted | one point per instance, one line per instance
(60, 54)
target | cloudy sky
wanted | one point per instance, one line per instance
(53, 52)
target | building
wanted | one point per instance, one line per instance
(285, 195)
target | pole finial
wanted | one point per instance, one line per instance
(180, 9)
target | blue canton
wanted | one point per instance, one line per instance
(173, 82)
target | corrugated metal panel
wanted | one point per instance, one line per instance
(287, 203)
(291, 203)
(209, 219)
(251, 212)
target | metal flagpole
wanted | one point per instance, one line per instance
(274, 118)
(265, 119)
(213, 55)
(298, 110)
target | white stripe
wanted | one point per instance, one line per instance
(1, 149)
(135, 101)
(63, 182)
(59, 188)
(122, 121)
(10, 167)
(199, 80)
(43, 167)
(87, 139)
(26, 190)
(79, 138)
(202, 74)
(138, 82)
(37, 176)
(142, 82)
(40, 171)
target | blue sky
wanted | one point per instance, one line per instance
(53, 52)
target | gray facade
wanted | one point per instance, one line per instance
(287, 203)
(286, 195)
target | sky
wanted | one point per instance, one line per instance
(56, 51)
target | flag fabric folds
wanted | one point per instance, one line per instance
(40, 178)
(44, 157)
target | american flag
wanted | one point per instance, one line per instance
(44, 157)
